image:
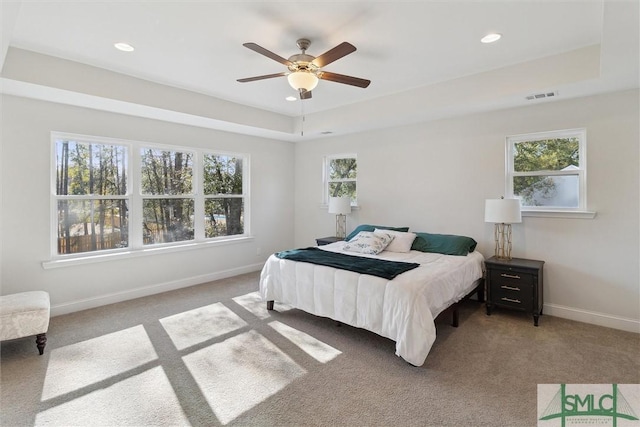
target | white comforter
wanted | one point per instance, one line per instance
(402, 309)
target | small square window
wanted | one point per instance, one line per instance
(547, 170)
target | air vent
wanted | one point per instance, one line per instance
(541, 95)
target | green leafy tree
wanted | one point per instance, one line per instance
(339, 171)
(543, 155)
(223, 178)
(167, 173)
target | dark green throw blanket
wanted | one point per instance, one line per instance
(374, 267)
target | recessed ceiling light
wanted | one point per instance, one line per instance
(490, 38)
(291, 98)
(125, 47)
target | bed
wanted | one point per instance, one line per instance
(402, 309)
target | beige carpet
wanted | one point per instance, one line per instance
(212, 355)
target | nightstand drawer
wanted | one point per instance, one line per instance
(516, 279)
(507, 296)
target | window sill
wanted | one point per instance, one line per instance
(326, 207)
(561, 214)
(95, 258)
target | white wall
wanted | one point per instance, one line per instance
(434, 177)
(25, 174)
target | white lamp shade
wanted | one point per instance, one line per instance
(303, 80)
(340, 205)
(502, 211)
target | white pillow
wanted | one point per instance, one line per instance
(401, 242)
(368, 242)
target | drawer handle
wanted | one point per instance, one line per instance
(510, 276)
(511, 288)
(517, 301)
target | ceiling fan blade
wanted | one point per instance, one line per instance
(305, 94)
(343, 49)
(341, 78)
(266, 76)
(262, 51)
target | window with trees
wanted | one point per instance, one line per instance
(91, 196)
(223, 193)
(115, 196)
(340, 177)
(547, 170)
(168, 200)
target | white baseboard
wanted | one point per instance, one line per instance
(87, 303)
(594, 318)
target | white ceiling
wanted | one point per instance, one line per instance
(409, 50)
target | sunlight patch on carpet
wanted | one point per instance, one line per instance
(240, 372)
(254, 304)
(315, 348)
(143, 399)
(79, 365)
(201, 324)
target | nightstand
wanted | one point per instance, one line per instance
(326, 240)
(515, 284)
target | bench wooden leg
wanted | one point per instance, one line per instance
(41, 341)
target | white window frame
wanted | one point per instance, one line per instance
(135, 198)
(581, 210)
(326, 181)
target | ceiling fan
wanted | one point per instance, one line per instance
(305, 70)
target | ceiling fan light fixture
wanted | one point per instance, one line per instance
(303, 80)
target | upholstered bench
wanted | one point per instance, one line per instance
(25, 314)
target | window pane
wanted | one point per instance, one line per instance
(167, 220)
(549, 191)
(342, 168)
(87, 169)
(92, 225)
(547, 154)
(222, 175)
(224, 217)
(166, 172)
(337, 189)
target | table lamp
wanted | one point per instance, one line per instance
(341, 206)
(502, 212)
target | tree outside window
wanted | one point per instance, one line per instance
(114, 196)
(548, 170)
(167, 196)
(223, 189)
(341, 174)
(91, 196)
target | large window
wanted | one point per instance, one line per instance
(91, 196)
(168, 200)
(340, 177)
(121, 196)
(547, 171)
(223, 193)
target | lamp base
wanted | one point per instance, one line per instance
(341, 226)
(503, 241)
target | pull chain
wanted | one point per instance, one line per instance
(301, 113)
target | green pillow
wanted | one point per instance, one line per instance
(447, 244)
(367, 227)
